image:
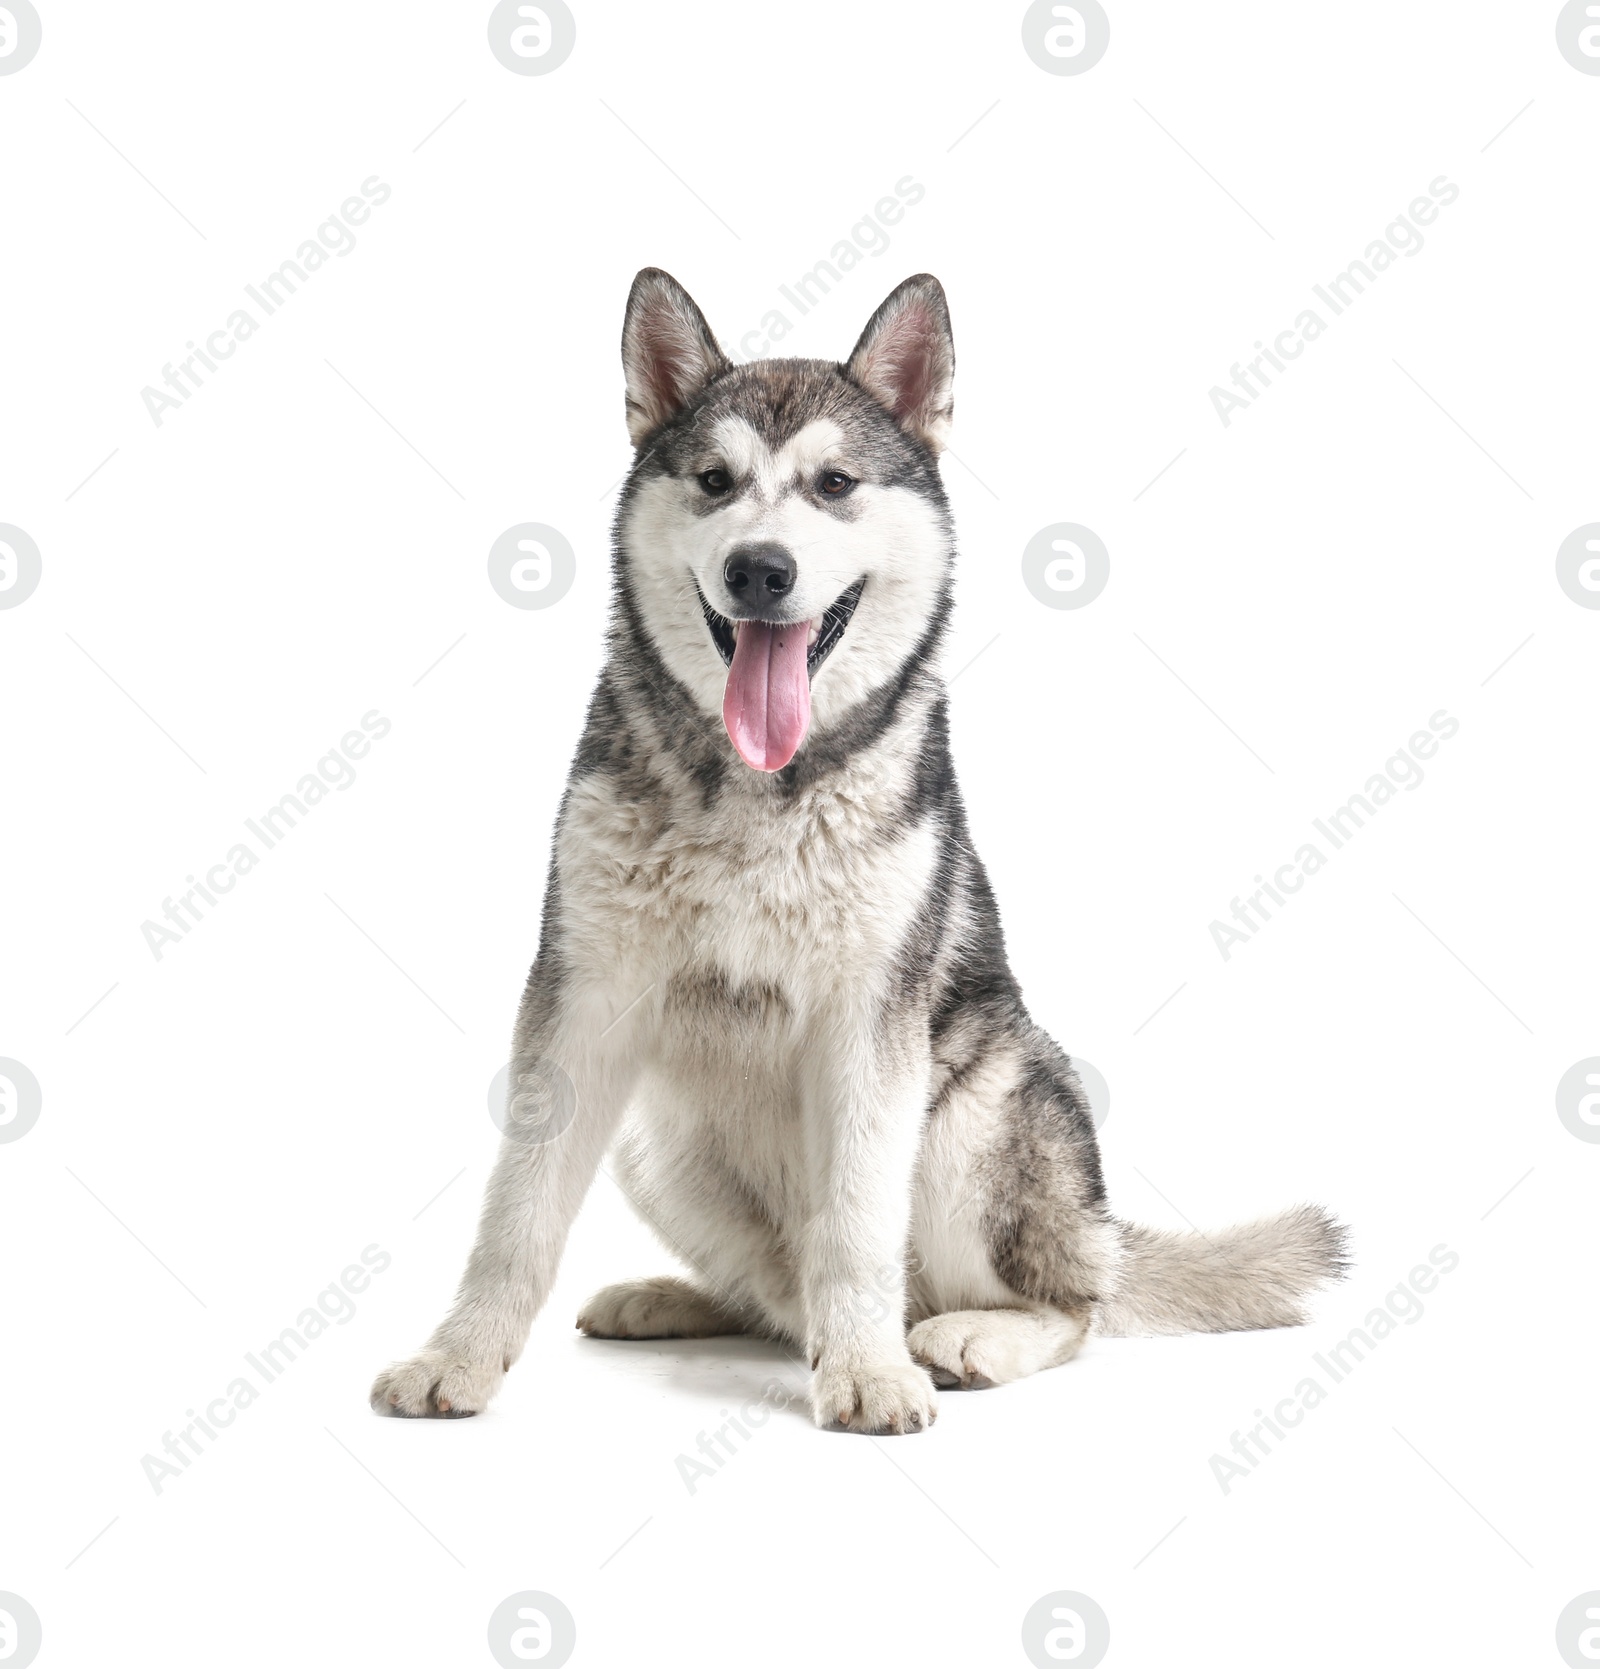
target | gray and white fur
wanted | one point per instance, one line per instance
(771, 980)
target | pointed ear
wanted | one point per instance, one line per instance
(668, 351)
(906, 359)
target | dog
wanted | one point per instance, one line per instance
(771, 980)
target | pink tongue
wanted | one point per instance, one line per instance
(767, 705)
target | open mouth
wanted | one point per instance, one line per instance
(767, 703)
(823, 635)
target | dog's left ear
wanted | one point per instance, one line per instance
(906, 359)
(668, 351)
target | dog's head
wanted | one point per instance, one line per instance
(785, 539)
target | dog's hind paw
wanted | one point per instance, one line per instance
(662, 1308)
(436, 1384)
(975, 1349)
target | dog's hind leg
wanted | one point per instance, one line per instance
(663, 1307)
(974, 1349)
(1011, 1247)
(741, 1278)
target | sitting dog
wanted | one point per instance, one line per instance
(771, 978)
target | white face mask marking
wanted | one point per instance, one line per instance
(894, 539)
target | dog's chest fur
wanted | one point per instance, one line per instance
(762, 912)
(763, 927)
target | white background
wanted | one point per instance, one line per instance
(274, 1094)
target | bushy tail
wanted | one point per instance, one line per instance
(1255, 1275)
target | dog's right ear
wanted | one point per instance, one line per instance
(668, 351)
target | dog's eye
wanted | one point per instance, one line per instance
(715, 481)
(835, 483)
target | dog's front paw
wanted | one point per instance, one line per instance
(879, 1398)
(436, 1384)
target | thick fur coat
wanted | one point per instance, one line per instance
(771, 979)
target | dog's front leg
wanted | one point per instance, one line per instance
(866, 1097)
(573, 1070)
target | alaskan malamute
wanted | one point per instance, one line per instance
(771, 979)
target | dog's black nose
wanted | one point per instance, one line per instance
(758, 572)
